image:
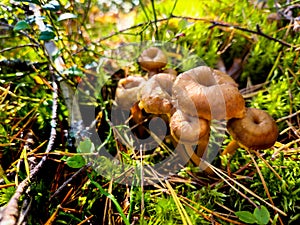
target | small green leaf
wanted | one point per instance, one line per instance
(21, 25)
(46, 35)
(76, 161)
(86, 146)
(275, 219)
(52, 6)
(262, 215)
(246, 217)
(66, 16)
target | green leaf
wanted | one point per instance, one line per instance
(113, 199)
(46, 35)
(246, 217)
(66, 16)
(21, 25)
(76, 161)
(86, 146)
(262, 215)
(52, 6)
(275, 219)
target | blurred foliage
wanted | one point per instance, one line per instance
(85, 31)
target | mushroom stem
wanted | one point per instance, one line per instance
(196, 160)
(231, 148)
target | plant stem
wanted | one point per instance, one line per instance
(231, 148)
(155, 20)
(113, 199)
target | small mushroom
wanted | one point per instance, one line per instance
(190, 130)
(127, 89)
(257, 130)
(208, 94)
(187, 129)
(155, 94)
(152, 60)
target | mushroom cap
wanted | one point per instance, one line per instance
(170, 71)
(188, 129)
(223, 78)
(127, 90)
(208, 94)
(155, 94)
(152, 59)
(257, 130)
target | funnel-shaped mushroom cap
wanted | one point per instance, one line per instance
(188, 129)
(257, 130)
(208, 94)
(152, 59)
(127, 90)
(155, 94)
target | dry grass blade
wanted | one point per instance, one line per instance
(185, 217)
(223, 175)
(278, 150)
(268, 165)
(185, 201)
(262, 181)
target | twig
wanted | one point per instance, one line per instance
(19, 46)
(21, 32)
(258, 32)
(9, 215)
(214, 23)
(288, 117)
(70, 179)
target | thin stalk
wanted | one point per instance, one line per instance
(142, 180)
(113, 199)
(155, 20)
(131, 199)
(262, 181)
(144, 10)
(268, 165)
(185, 217)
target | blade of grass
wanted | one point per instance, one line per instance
(263, 182)
(185, 217)
(112, 198)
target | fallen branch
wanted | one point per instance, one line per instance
(10, 214)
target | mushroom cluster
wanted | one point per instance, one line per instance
(188, 102)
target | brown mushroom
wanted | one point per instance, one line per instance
(155, 94)
(257, 130)
(152, 59)
(187, 129)
(127, 89)
(208, 94)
